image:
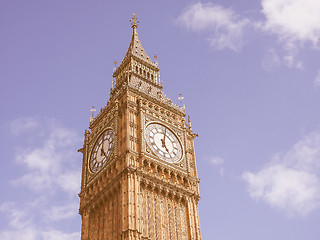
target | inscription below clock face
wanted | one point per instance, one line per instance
(101, 150)
(163, 142)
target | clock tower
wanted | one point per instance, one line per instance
(139, 176)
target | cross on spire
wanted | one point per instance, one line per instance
(134, 21)
(180, 98)
(92, 110)
(115, 64)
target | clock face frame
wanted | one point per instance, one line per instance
(101, 150)
(163, 142)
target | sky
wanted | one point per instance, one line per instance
(249, 72)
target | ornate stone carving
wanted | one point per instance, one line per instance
(137, 195)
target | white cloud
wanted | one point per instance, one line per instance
(57, 235)
(317, 80)
(32, 233)
(293, 21)
(57, 213)
(27, 233)
(218, 162)
(22, 125)
(51, 170)
(17, 218)
(46, 163)
(291, 181)
(275, 58)
(291, 61)
(224, 27)
(23, 224)
(69, 181)
(271, 60)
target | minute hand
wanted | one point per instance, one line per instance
(103, 153)
(164, 140)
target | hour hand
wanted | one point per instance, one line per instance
(166, 148)
(103, 153)
(164, 144)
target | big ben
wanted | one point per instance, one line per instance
(139, 176)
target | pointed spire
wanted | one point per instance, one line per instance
(135, 47)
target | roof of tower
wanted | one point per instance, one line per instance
(135, 47)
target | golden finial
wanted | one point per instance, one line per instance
(115, 64)
(189, 122)
(114, 69)
(134, 21)
(92, 110)
(180, 98)
(156, 59)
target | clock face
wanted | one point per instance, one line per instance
(101, 150)
(163, 142)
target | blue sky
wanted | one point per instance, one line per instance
(249, 72)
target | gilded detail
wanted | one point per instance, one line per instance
(139, 176)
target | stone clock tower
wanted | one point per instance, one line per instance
(139, 176)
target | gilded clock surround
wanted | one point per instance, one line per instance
(107, 154)
(135, 194)
(168, 148)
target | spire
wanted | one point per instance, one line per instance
(135, 47)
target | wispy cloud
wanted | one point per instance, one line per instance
(22, 125)
(58, 213)
(45, 163)
(23, 225)
(223, 27)
(33, 233)
(51, 170)
(271, 60)
(295, 21)
(218, 162)
(281, 57)
(18, 218)
(291, 181)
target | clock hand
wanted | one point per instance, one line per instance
(164, 145)
(102, 150)
(166, 148)
(163, 141)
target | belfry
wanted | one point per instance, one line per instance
(139, 176)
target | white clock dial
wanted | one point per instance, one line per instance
(163, 142)
(101, 150)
